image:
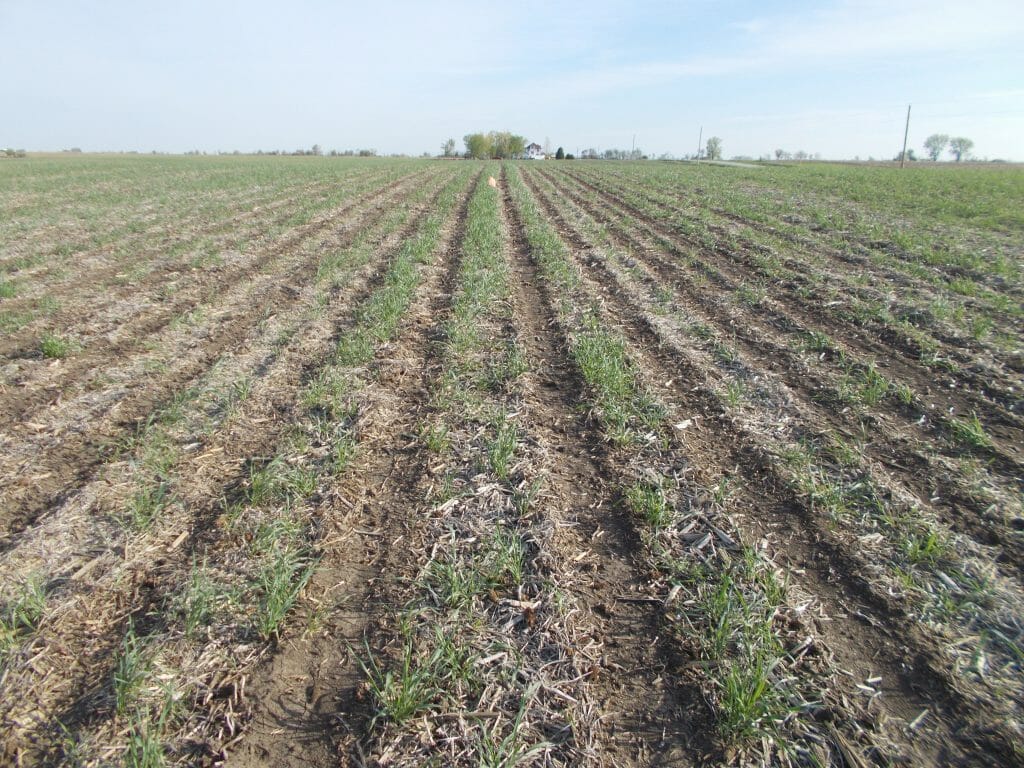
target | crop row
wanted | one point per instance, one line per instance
(228, 570)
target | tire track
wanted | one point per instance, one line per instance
(653, 717)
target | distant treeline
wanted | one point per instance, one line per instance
(498, 145)
(314, 151)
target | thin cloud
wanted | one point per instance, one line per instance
(845, 34)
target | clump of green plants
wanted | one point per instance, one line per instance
(130, 674)
(925, 547)
(21, 613)
(146, 700)
(285, 573)
(280, 481)
(501, 449)
(504, 561)
(863, 385)
(55, 347)
(971, 432)
(647, 500)
(147, 502)
(201, 598)
(507, 368)
(733, 612)
(904, 393)
(411, 685)
(623, 405)
(735, 392)
(436, 437)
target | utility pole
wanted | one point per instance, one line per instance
(906, 131)
(700, 138)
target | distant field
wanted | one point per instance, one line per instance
(308, 461)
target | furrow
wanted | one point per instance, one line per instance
(305, 701)
(932, 484)
(911, 665)
(965, 391)
(80, 435)
(140, 590)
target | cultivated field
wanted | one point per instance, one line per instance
(308, 461)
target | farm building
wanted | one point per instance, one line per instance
(534, 152)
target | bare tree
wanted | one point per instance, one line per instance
(714, 148)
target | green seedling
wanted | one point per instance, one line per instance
(55, 347)
(971, 432)
(647, 500)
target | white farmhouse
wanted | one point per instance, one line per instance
(534, 152)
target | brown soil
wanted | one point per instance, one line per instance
(865, 631)
(308, 702)
(650, 715)
(891, 686)
(900, 443)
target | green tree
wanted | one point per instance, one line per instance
(714, 148)
(960, 146)
(506, 145)
(560, 154)
(935, 145)
(496, 144)
(478, 146)
(448, 148)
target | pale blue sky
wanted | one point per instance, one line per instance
(832, 77)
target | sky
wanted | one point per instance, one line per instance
(832, 77)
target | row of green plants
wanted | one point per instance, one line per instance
(942, 578)
(927, 304)
(468, 653)
(262, 553)
(733, 598)
(857, 382)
